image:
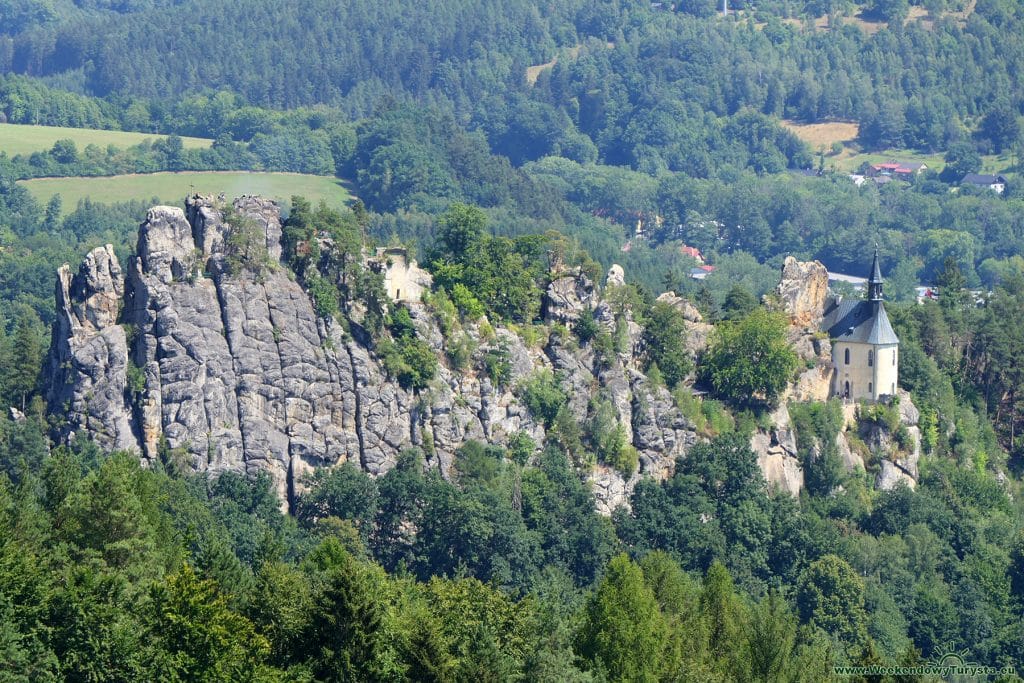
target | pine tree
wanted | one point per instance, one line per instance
(624, 633)
(26, 355)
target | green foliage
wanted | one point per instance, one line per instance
(749, 362)
(345, 492)
(543, 396)
(196, 636)
(738, 304)
(830, 595)
(467, 304)
(460, 351)
(498, 364)
(607, 438)
(406, 357)
(817, 425)
(136, 378)
(665, 337)
(624, 633)
(23, 356)
(496, 275)
(708, 416)
(245, 247)
(349, 630)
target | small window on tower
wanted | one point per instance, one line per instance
(846, 356)
(894, 357)
(871, 358)
(870, 388)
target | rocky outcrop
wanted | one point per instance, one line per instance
(194, 357)
(567, 298)
(898, 462)
(802, 292)
(698, 332)
(776, 452)
(88, 364)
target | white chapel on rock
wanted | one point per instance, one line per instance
(865, 349)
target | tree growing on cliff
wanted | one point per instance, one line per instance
(245, 246)
(749, 362)
(664, 336)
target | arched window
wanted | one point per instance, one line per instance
(846, 390)
(871, 358)
(870, 388)
(846, 356)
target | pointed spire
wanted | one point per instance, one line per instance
(875, 281)
(876, 272)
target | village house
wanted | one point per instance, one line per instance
(692, 252)
(899, 170)
(996, 183)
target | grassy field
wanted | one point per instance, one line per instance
(21, 139)
(820, 136)
(851, 158)
(171, 188)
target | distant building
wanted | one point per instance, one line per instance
(701, 272)
(900, 170)
(403, 279)
(865, 349)
(692, 252)
(996, 183)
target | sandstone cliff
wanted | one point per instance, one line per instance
(182, 357)
(189, 358)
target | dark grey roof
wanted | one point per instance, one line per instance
(982, 179)
(854, 320)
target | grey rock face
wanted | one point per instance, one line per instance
(802, 291)
(567, 298)
(88, 362)
(186, 360)
(890, 476)
(776, 452)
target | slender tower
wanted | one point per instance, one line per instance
(875, 280)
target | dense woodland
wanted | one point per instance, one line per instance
(172, 575)
(670, 117)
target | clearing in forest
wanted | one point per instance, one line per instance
(818, 135)
(18, 138)
(171, 188)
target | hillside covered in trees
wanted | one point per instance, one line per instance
(705, 571)
(538, 466)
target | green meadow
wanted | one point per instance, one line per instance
(23, 139)
(172, 188)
